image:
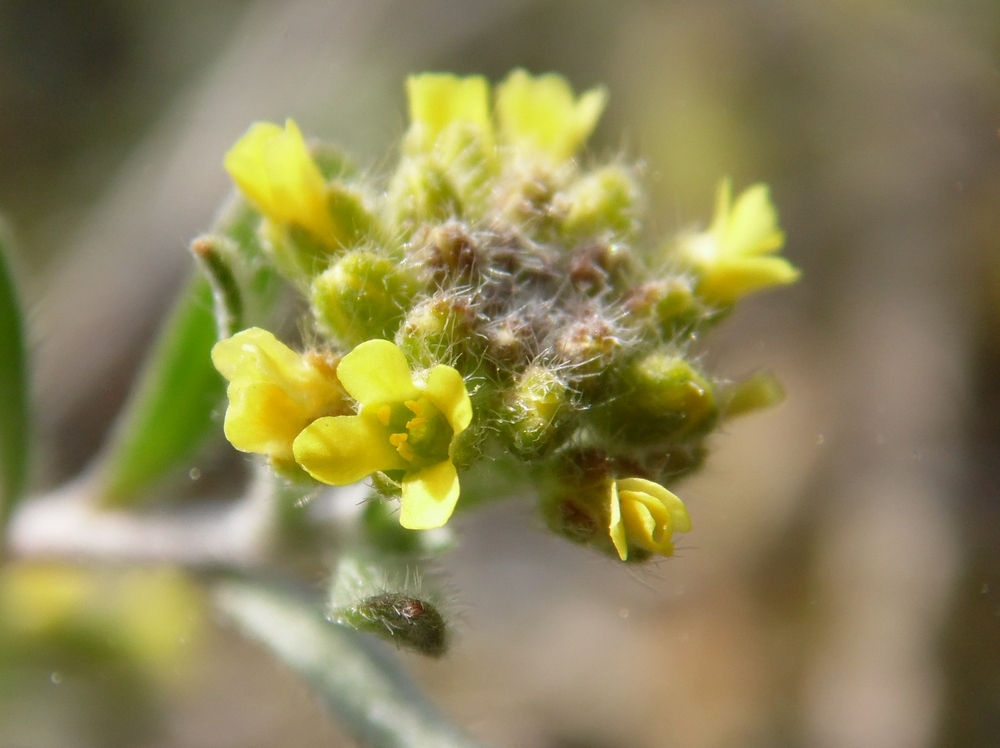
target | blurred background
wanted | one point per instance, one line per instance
(842, 583)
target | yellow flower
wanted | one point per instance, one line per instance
(645, 515)
(401, 425)
(273, 168)
(274, 392)
(542, 115)
(444, 108)
(735, 257)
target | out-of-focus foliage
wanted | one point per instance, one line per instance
(14, 399)
(821, 599)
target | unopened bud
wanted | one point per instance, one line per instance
(664, 398)
(421, 192)
(402, 619)
(602, 202)
(440, 329)
(363, 296)
(596, 267)
(447, 252)
(588, 345)
(670, 305)
(538, 408)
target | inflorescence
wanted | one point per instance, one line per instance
(489, 305)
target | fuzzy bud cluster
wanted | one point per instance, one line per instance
(492, 300)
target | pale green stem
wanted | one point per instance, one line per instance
(365, 689)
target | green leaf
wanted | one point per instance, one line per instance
(14, 417)
(367, 690)
(170, 411)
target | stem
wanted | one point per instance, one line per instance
(210, 253)
(373, 698)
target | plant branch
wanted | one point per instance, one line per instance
(371, 696)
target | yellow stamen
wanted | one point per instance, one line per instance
(404, 449)
(415, 423)
(415, 407)
(383, 415)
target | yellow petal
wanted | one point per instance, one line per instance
(445, 388)
(752, 227)
(735, 256)
(254, 353)
(344, 449)
(679, 517)
(730, 281)
(616, 526)
(262, 418)
(273, 168)
(376, 372)
(723, 201)
(273, 392)
(439, 101)
(542, 114)
(429, 496)
(647, 522)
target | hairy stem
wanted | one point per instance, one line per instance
(370, 695)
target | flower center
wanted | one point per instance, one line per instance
(418, 430)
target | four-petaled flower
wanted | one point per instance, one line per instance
(735, 257)
(645, 515)
(272, 167)
(401, 425)
(274, 392)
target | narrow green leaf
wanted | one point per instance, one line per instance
(170, 410)
(362, 686)
(14, 416)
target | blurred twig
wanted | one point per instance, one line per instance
(367, 691)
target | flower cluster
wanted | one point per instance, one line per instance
(488, 306)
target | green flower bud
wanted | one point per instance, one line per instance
(354, 221)
(446, 252)
(526, 199)
(538, 408)
(669, 305)
(599, 266)
(601, 202)
(402, 619)
(364, 597)
(587, 345)
(511, 342)
(363, 296)
(421, 192)
(441, 329)
(663, 398)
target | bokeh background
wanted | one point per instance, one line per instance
(842, 584)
